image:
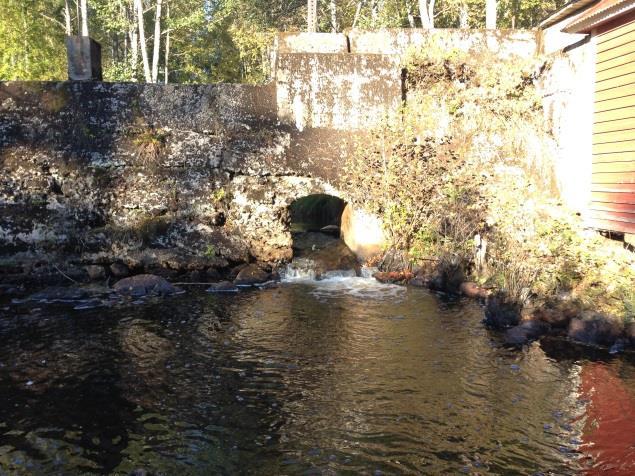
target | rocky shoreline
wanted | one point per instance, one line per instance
(561, 316)
(101, 280)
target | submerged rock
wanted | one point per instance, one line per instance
(502, 312)
(143, 285)
(472, 290)
(119, 270)
(322, 258)
(525, 332)
(222, 287)
(595, 329)
(250, 275)
(96, 272)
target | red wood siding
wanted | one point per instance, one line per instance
(613, 175)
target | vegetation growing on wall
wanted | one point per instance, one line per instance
(469, 160)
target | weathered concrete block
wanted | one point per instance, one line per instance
(397, 41)
(305, 42)
(339, 91)
(84, 58)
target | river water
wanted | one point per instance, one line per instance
(342, 376)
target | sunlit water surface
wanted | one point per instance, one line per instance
(344, 376)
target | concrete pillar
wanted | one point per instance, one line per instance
(84, 58)
(490, 14)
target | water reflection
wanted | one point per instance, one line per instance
(608, 438)
(339, 376)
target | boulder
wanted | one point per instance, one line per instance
(420, 282)
(472, 290)
(629, 331)
(119, 270)
(222, 287)
(251, 275)
(323, 256)
(556, 317)
(525, 332)
(394, 277)
(144, 285)
(502, 312)
(212, 275)
(96, 272)
(595, 329)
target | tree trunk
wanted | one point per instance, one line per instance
(464, 16)
(333, 8)
(84, 9)
(490, 14)
(423, 12)
(67, 18)
(166, 71)
(411, 18)
(142, 41)
(374, 13)
(157, 43)
(358, 11)
(311, 18)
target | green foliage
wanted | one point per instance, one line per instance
(31, 42)
(470, 154)
(150, 142)
(211, 40)
(210, 251)
(218, 195)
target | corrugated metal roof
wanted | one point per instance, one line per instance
(574, 6)
(603, 11)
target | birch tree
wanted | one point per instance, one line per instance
(142, 41)
(84, 14)
(426, 12)
(157, 42)
(67, 19)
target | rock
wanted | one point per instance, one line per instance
(222, 287)
(59, 294)
(10, 290)
(554, 317)
(332, 230)
(629, 332)
(119, 270)
(250, 275)
(525, 332)
(472, 290)
(143, 285)
(333, 256)
(393, 277)
(233, 273)
(96, 272)
(595, 329)
(212, 275)
(501, 312)
(195, 276)
(420, 282)
(619, 346)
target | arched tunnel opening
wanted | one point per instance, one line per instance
(317, 213)
(315, 224)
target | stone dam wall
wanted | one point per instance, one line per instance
(190, 180)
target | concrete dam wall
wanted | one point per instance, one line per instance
(188, 179)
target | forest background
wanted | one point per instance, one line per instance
(203, 41)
